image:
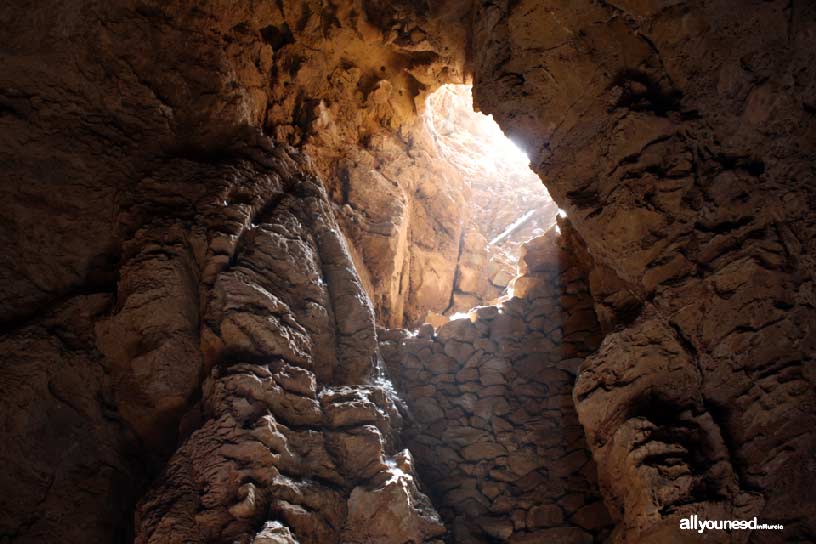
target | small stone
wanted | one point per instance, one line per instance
(545, 515)
(524, 461)
(485, 344)
(488, 378)
(500, 528)
(467, 375)
(496, 364)
(458, 329)
(461, 351)
(483, 450)
(491, 490)
(440, 364)
(484, 313)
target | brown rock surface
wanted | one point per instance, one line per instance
(134, 174)
(66, 452)
(679, 139)
(436, 212)
(176, 298)
(286, 430)
(501, 450)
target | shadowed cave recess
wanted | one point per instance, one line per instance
(273, 275)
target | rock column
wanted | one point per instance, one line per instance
(293, 441)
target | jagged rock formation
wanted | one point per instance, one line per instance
(350, 82)
(494, 427)
(134, 164)
(679, 139)
(156, 157)
(291, 427)
(286, 434)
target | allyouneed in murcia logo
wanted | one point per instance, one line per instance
(694, 523)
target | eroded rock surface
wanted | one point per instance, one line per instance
(149, 194)
(134, 167)
(493, 425)
(679, 139)
(289, 442)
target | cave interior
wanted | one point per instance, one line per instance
(407, 272)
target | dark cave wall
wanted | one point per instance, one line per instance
(679, 137)
(133, 164)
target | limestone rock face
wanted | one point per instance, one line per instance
(135, 172)
(679, 139)
(241, 278)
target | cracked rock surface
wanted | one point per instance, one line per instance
(679, 139)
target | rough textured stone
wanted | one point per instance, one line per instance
(680, 147)
(174, 284)
(510, 449)
(263, 447)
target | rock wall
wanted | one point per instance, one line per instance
(347, 86)
(679, 139)
(493, 425)
(293, 442)
(235, 272)
(134, 163)
(66, 453)
(104, 92)
(505, 202)
(142, 144)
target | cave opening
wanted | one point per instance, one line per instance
(506, 203)
(488, 382)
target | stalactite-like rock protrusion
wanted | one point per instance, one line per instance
(295, 443)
